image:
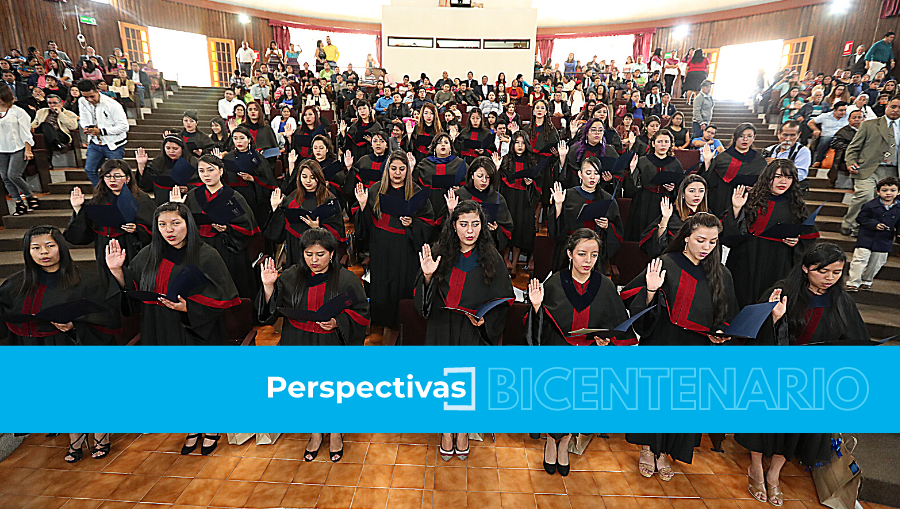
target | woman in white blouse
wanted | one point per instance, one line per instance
(15, 151)
(318, 99)
(491, 104)
(862, 103)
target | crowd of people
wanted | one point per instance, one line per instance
(444, 188)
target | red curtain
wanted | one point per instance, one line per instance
(890, 8)
(641, 46)
(545, 49)
(282, 37)
(378, 49)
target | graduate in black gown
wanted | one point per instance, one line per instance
(756, 260)
(545, 142)
(154, 176)
(643, 144)
(220, 135)
(646, 200)
(591, 144)
(690, 199)
(253, 179)
(332, 169)
(422, 132)
(357, 137)
(440, 161)
(230, 239)
(475, 139)
(610, 136)
(310, 192)
(369, 168)
(262, 133)
(196, 142)
(114, 175)
(522, 195)
(568, 203)
(393, 242)
(738, 159)
(310, 127)
(483, 186)
(463, 271)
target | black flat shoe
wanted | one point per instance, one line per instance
(187, 449)
(206, 451)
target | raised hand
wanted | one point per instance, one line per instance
(655, 275)
(451, 199)
(563, 150)
(276, 199)
(141, 157)
(348, 159)
(217, 152)
(232, 123)
(175, 195)
(362, 195)
(739, 199)
(535, 293)
(292, 159)
(454, 132)
(410, 127)
(342, 127)
(665, 207)
(428, 264)
(495, 157)
(634, 162)
(289, 129)
(268, 273)
(706, 152)
(631, 138)
(115, 255)
(513, 127)
(410, 161)
(76, 198)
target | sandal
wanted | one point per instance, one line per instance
(187, 449)
(33, 203)
(76, 453)
(311, 455)
(446, 454)
(337, 455)
(757, 489)
(21, 209)
(646, 467)
(665, 473)
(101, 450)
(207, 450)
(775, 495)
(462, 454)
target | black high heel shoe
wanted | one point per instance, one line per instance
(337, 455)
(206, 451)
(76, 453)
(311, 455)
(562, 469)
(101, 448)
(187, 449)
(549, 467)
(33, 203)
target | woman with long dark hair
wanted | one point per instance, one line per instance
(692, 290)
(676, 127)
(249, 173)
(440, 162)
(221, 135)
(591, 144)
(310, 127)
(646, 196)
(262, 133)
(392, 241)
(156, 175)
(320, 56)
(522, 194)
(756, 259)
(738, 159)
(475, 139)
(226, 222)
(427, 127)
(544, 140)
(357, 137)
(369, 168)
(642, 144)
(690, 199)
(115, 175)
(482, 185)
(568, 203)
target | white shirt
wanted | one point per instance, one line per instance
(109, 116)
(802, 157)
(226, 107)
(15, 130)
(245, 55)
(867, 112)
(828, 124)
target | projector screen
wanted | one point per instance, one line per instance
(181, 56)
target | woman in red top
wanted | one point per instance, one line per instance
(697, 71)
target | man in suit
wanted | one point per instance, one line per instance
(484, 89)
(870, 157)
(20, 90)
(470, 81)
(857, 61)
(664, 109)
(559, 108)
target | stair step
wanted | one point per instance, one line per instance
(54, 217)
(882, 321)
(64, 188)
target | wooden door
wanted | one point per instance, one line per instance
(221, 60)
(713, 55)
(135, 42)
(795, 54)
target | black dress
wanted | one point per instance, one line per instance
(232, 243)
(561, 227)
(680, 446)
(724, 168)
(156, 177)
(521, 200)
(504, 220)
(645, 204)
(830, 318)
(808, 448)
(757, 261)
(684, 308)
(393, 254)
(279, 229)
(569, 305)
(465, 289)
(351, 322)
(258, 192)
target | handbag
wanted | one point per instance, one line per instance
(238, 438)
(621, 111)
(837, 482)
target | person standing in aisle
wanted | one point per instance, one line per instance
(106, 126)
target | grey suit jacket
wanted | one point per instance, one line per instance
(867, 150)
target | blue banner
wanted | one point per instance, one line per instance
(442, 389)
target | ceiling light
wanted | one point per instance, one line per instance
(839, 6)
(243, 18)
(680, 32)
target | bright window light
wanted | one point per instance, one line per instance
(243, 18)
(615, 47)
(680, 32)
(180, 55)
(353, 48)
(839, 6)
(739, 65)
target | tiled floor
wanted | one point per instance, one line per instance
(377, 471)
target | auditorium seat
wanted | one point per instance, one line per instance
(328, 114)
(557, 122)
(524, 111)
(689, 159)
(624, 208)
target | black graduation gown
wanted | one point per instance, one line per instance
(335, 173)
(196, 140)
(263, 138)
(645, 204)
(424, 174)
(505, 224)
(473, 136)
(684, 311)
(542, 145)
(520, 199)
(569, 306)
(355, 140)
(393, 255)
(225, 145)
(680, 446)
(808, 448)
(96, 329)
(202, 323)
(302, 140)
(278, 229)
(161, 166)
(232, 243)
(655, 245)
(559, 228)
(642, 146)
(258, 192)
(352, 322)
(465, 289)
(830, 317)
(368, 170)
(725, 166)
(568, 175)
(421, 143)
(757, 261)
(613, 140)
(81, 231)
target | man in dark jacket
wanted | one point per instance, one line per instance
(397, 111)
(838, 175)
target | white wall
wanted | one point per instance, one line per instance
(353, 48)
(180, 55)
(500, 19)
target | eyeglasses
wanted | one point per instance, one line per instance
(109, 176)
(595, 131)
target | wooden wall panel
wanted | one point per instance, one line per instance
(36, 21)
(861, 25)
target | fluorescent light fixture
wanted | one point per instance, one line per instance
(680, 32)
(243, 18)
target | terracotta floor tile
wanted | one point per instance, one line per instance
(218, 467)
(429, 478)
(385, 438)
(376, 476)
(518, 501)
(312, 473)
(383, 454)
(427, 499)
(87, 503)
(200, 492)
(267, 494)
(449, 499)
(13, 476)
(38, 481)
(46, 503)
(612, 483)
(679, 486)
(290, 449)
(547, 484)
(354, 452)
(66, 485)
(10, 501)
(335, 497)
(535, 458)
(343, 475)
(485, 500)
(696, 466)
(628, 460)
(586, 501)
(580, 483)
(617, 442)
(552, 502)
(516, 481)
(450, 478)
(261, 451)
(226, 449)
(708, 486)
(157, 463)
(653, 502)
(187, 466)
(723, 503)
(166, 490)
(134, 488)
(511, 440)
(408, 476)
(736, 485)
(280, 470)
(173, 443)
(249, 469)
(644, 487)
(482, 457)
(127, 462)
(101, 486)
(370, 498)
(482, 479)
(149, 441)
(36, 457)
(418, 438)
(511, 457)
(405, 499)
(233, 494)
(722, 463)
(612, 502)
(799, 487)
(301, 495)
(411, 454)
(604, 461)
(689, 503)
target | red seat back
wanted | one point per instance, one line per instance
(524, 111)
(624, 208)
(688, 159)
